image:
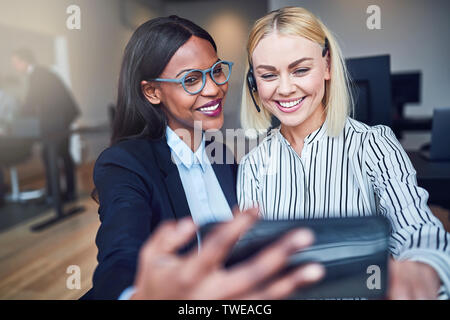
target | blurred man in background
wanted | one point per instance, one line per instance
(8, 105)
(8, 109)
(48, 99)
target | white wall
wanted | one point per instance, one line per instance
(88, 60)
(414, 33)
(94, 52)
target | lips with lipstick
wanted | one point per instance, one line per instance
(290, 105)
(212, 108)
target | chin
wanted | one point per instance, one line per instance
(213, 124)
(291, 122)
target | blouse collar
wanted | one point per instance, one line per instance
(316, 135)
(184, 153)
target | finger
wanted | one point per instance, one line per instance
(427, 281)
(396, 292)
(171, 236)
(267, 263)
(218, 243)
(420, 283)
(399, 288)
(251, 211)
(156, 238)
(393, 288)
(282, 288)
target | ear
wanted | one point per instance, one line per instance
(328, 66)
(151, 92)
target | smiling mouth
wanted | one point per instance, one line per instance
(209, 109)
(291, 104)
(212, 108)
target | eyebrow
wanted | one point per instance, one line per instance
(186, 70)
(293, 64)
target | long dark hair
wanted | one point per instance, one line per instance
(146, 55)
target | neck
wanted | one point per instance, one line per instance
(296, 135)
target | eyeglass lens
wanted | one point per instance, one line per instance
(193, 81)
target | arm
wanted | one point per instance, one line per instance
(417, 235)
(126, 221)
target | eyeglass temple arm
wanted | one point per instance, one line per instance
(167, 80)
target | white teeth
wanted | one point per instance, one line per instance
(290, 104)
(212, 108)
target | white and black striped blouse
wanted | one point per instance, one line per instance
(363, 171)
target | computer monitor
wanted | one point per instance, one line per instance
(405, 88)
(440, 136)
(371, 78)
(361, 94)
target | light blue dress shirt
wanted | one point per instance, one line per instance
(204, 195)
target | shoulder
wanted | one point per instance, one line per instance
(40, 72)
(360, 127)
(378, 141)
(124, 147)
(371, 132)
(132, 154)
(45, 79)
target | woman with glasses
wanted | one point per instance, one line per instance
(172, 88)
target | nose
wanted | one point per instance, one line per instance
(286, 85)
(210, 88)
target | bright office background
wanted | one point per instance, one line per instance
(414, 33)
(33, 265)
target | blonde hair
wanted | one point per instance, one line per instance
(337, 99)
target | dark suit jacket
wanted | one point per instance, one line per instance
(138, 187)
(50, 101)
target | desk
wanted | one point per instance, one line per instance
(434, 176)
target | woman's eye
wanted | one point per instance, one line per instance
(217, 71)
(190, 80)
(301, 71)
(267, 76)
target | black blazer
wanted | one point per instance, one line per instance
(138, 187)
(50, 101)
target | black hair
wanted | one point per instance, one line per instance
(25, 54)
(146, 55)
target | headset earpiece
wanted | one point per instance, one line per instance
(251, 80)
(252, 87)
(326, 47)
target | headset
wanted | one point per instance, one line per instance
(251, 81)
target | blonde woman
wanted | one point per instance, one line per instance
(321, 163)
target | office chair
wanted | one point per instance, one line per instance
(15, 148)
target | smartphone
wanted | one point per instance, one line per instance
(354, 252)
